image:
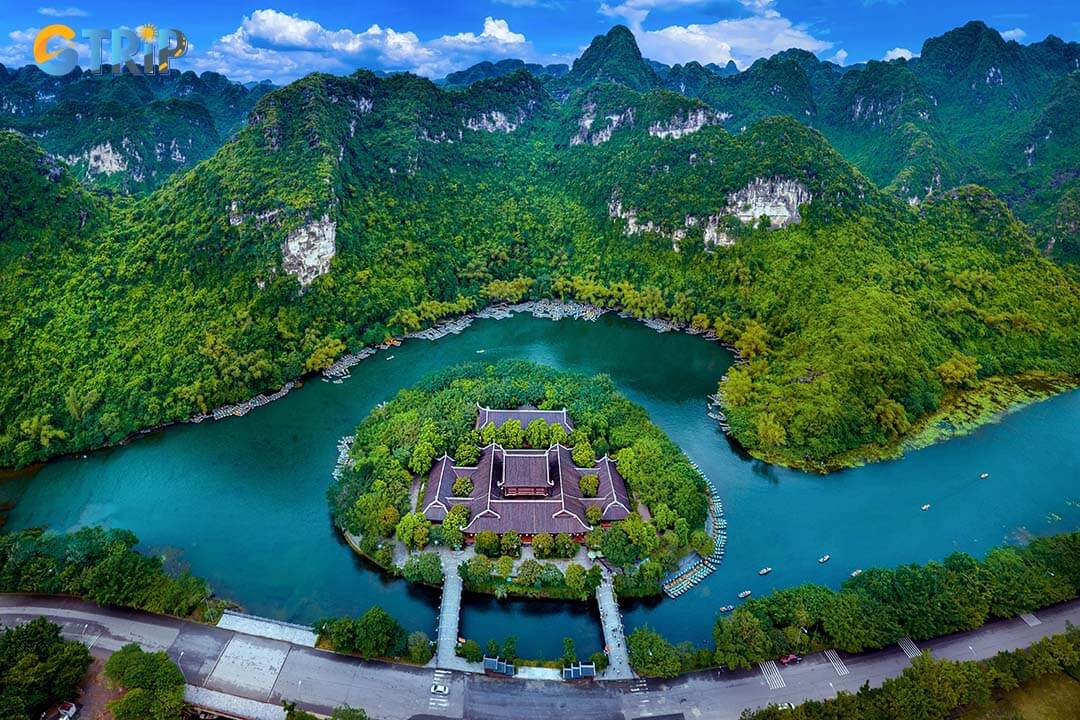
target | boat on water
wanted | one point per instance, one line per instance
(856, 572)
(824, 558)
(727, 608)
(764, 571)
(926, 507)
(480, 351)
(389, 357)
(744, 594)
(984, 476)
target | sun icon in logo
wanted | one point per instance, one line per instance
(147, 33)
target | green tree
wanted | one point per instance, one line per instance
(419, 646)
(593, 516)
(462, 486)
(511, 434)
(769, 430)
(536, 433)
(467, 454)
(569, 652)
(582, 455)
(413, 529)
(564, 546)
(424, 567)
(737, 387)
(589, 485)
(487, 543)
(38, 668)
(577, 581)
(528, 573)
(543, 545)
(510, 543)
(651, 655)
(471, 651)
(504, 567)
(959, 371)
(477, 569)
(153, 685)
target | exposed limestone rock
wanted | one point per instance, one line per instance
(678, 126)
(103, 160)
(587, 136)
(308, 250)
(776, 198)
(494, 121)
(236, 217)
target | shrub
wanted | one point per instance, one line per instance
(153, 683)
(419, 646)
(487, 543)
(510, 543)
(470, 650)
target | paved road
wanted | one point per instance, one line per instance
(270, 670)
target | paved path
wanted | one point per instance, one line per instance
(268, 671)
(449, 618)
(614, 639)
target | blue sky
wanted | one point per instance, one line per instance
(285, 39)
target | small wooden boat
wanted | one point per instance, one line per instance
(727, 608)
(764, 571)
(744, 594)
(824, 558)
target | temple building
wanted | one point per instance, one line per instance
(530, 490)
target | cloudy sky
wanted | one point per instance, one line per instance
(285, 39)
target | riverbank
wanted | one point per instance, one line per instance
(961, 413)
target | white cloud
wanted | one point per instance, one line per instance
(19, 51)
(840, 57)
(897, 53)
(763, 31)
(62, 12)
(1014, 34)
(271, 44)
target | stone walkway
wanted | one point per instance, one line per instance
(449, 617)
(611, 619)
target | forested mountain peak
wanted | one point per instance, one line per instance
(614, 57)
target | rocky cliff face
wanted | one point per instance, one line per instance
(694, 120)
(587, 136)
(776, 198)
(308, 250)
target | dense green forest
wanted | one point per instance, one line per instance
(876, 608)
(858, 323)
(437, 415)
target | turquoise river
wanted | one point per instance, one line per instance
(242, 501)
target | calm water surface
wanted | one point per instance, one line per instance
(242, 501)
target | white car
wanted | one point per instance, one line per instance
(437, 689)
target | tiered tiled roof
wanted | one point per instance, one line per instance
(561, 509)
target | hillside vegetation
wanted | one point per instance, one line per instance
(353, 208)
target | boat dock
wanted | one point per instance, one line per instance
(692, 573)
